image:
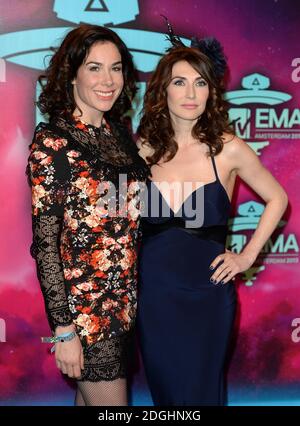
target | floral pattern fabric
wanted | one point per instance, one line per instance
(86, 182)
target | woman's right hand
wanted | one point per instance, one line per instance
(69, 355)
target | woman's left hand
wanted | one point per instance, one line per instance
(231, 265)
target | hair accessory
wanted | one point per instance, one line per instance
(213, 49)
(210, 46)
(171, 37)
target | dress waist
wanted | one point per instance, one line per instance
(216, 233)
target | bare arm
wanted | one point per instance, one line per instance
(247, 165)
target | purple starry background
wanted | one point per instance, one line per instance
(258, 36)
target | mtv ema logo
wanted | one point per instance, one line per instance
(32, 48)
(256, 123)
(113, 12)
(278, 249)
(258, 118)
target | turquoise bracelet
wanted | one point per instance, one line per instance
(61, 338)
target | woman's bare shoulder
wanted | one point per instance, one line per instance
(233, 144)
(237, 152)
(228, 137)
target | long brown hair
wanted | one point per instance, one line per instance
(57, 96)
(156, 128)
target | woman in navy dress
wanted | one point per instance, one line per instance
(187, 297)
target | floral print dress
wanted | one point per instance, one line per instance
(85, 207)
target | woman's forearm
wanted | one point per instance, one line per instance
(266, 226)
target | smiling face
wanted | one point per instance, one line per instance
(187, 92)
(99, 82)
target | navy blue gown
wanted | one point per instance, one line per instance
(184, 320)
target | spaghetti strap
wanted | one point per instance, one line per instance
(215, 168)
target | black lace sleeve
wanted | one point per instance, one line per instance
(48, 173)
(45, 250)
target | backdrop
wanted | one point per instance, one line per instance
(261, 41)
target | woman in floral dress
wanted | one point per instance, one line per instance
(84, 172)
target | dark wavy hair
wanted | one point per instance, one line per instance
(156, 128)
(57, 96)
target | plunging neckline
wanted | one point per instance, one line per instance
(217, 180)
(189, 196)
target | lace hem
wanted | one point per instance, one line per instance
(107, 360)
(107, 374)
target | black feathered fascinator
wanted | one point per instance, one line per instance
(210, 46)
